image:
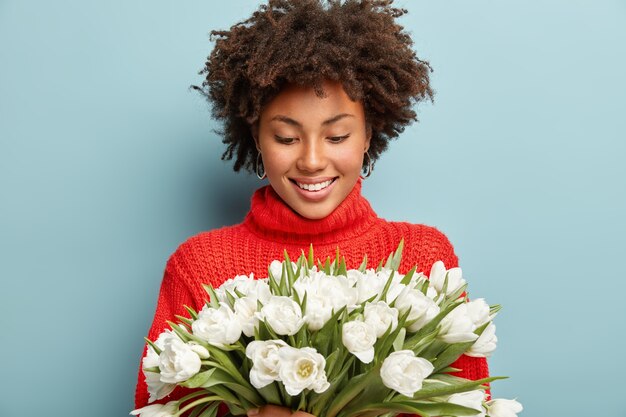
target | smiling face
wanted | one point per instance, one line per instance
(312, 147)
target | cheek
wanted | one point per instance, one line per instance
(349, 160)
(275, 163)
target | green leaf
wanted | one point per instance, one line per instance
(447, 378)
(270, 394)
(383, 294)
(290, 274)
(418, 345)
(454, 296)
(323, 338)
(450, 370)
(388, 262)
(397, 256)
(326, 267)
(494, 309)
(184, 319)
(357, 384)
(268, 328)
(432, 325)
(224, 393)
(154, 347)
(385, 342)
(272, 282)
(213, 301)
(200, 409)
(406, 280)
(363, 265)
(283, 284)
(182, 333)
(192, 312)
(450, 354)
(319, 401)
(310, 259)
(343, 270)
(198, 379)
(422, 408)
(230, 298)
(437, 389)
(211, 410)
(398, 343)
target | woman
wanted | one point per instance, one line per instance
(310, 94)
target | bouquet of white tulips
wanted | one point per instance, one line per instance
(330, 341)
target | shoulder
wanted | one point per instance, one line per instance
(204, 250)
(424, 245)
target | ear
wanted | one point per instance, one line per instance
(368, 136)
(254, 130)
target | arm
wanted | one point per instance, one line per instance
(429, 245)
(173, 295)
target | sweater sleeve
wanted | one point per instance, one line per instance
(173, 296)
(431, 246)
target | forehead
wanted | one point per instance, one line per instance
(304, 105)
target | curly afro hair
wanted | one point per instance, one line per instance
(304, 42)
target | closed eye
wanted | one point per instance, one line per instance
(285, 141)
(338, 139)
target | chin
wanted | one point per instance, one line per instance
(314, 212)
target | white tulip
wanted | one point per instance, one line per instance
(503, 408)
(276, 269)
(478, 311)
(325, 294)
(247, 286)
(423, 308)
(359, 338)
(472, 399)
(245, 311)
(265, 361)
(217, 326)
(484, 346)
(317, 313)
(178, 361)
(302, 369)
(380, 317)
(438, 276)
(283, 315)
(157, 388)
(403, 372)
(457, 326)
(157, 410)
(368, 284)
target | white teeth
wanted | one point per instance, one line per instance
(314, 187)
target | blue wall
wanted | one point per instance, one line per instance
(108, 162)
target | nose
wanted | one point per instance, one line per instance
(312, 157)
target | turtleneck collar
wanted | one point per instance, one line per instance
(272, 219)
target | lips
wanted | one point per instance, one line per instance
(314, 189)
(313, 185)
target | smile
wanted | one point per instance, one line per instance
(314, 186)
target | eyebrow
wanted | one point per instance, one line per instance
(290, 121)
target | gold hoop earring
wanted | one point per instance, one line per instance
(370, 167)
(259, 162)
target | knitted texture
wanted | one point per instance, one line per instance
(271, 227)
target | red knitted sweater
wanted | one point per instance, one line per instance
(272, 226)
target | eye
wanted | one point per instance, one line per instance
(284, 141)
(338, 139)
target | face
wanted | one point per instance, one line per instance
(312, 147)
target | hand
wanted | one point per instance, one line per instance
(276, 411)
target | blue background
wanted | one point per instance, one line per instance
(108, 161)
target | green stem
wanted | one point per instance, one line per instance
(195, 403)
(190, 396)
